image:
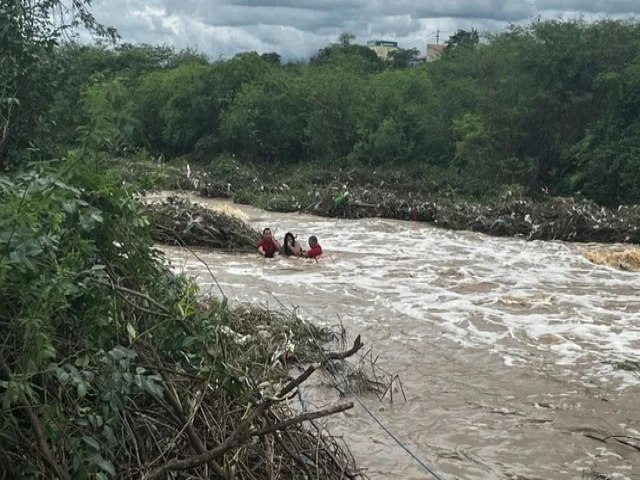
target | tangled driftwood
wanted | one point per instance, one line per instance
(365, 193)
(229, 410)
(264, 436)
(553, 219)
(179, 222)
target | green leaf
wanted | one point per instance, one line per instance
(110, 436)
(69, 207)
(105, 465)
(82, 361)
(63, 376)
(131, 331)
(91, 442)
(6, 185)
(120, 353)
(153, 388)
(82, 389)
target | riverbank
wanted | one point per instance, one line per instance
(362, 192)
(114, 366)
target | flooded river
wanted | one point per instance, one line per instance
(504, 347)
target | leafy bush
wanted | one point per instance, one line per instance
(112, 366)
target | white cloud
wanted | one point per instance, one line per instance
(297, 28)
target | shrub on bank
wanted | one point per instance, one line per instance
(114, 367)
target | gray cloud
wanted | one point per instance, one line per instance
(611, 7)
(478, 9)
(297, 28)
(241, 15)
(317, 5)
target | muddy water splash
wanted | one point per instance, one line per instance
(504, 347)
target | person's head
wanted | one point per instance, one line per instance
(289, 239)
(287, 244)
(313, 241)
(266, 234)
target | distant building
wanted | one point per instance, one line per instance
(382, 47)
(434, 51)
(419, 60)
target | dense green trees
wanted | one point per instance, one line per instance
(545, 97)
(267, 120)
(552, 104)
(31, 69)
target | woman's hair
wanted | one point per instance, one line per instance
(286, 249)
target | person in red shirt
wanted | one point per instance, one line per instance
(268, 245)
(315, 250)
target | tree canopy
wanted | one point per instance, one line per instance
(549, 105)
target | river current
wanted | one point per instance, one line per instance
(505, 348)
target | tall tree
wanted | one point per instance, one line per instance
(403, 57)
(30, 30)
(345, 39)
(462, 39)
(348, 55)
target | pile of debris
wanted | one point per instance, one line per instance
(360, 193)
(179, 222)
(555, 218)
(115, 367)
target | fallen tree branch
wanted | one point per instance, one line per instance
(303, 417)
(357, 345)
(239, 436)
(618, 438)
(243, 433)
(137, 294)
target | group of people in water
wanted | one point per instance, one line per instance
(268, 246)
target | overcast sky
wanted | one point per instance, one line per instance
(297, 28)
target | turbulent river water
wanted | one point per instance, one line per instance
(505, 348)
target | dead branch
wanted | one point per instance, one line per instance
(303, 417)
(357, 345)
(243, 431)
(136, 293)
(239, 436)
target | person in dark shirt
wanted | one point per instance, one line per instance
(268, 245)
(290, 246)
(315, 250)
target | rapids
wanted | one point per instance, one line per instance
(505, 348)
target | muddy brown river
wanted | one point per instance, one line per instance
(504, 347)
